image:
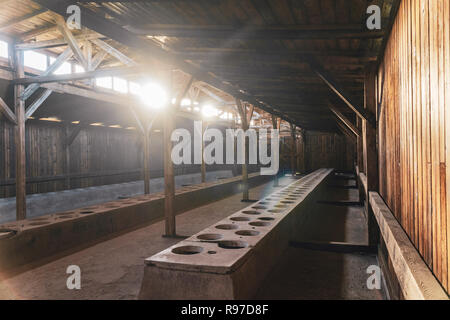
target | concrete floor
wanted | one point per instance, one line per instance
(113, 269)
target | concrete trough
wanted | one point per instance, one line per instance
(229, 259)
(50, 236)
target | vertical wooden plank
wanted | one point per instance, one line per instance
(435, 137)
(446, 216)
(370, 146)
(21, 208)
(419, 122)
(426, 130)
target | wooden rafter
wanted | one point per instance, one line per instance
(37, 103)
(71, 41)
(142, 46)
(114, 52)
(340, 92)
(344, 120)
(37, 32)
(55, 42)
(63, 57)
(257, 32)
(7, 112)
(22, 18)
(82, 75)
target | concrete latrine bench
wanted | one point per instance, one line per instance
(42, 239)
(229, 259)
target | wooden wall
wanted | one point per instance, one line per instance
(320, 150)
(414, 128)
(327, 150)
(97, 156)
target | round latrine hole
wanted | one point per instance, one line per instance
(275, 211)
(39, 223)
(64, 213)
(240, 219)
(227, 226)
(212, 252)
(291, 199)
(39, 219)
(86, 212)
(187, 250)
(260, 224)
(263, 202)
(112, 206)
(288, 202)
(251, 212)
(280, 206)
(266, 218)
(233, 244)
(259, 207)
(66, 216)
(210, 236)
(247, 233)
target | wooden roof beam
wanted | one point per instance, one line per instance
(56, 42)
(71, 40)
(63, 57)
(37, 32)
(7, 112)
(252, 32)
(344, 120)
(22, 18)
(340, 92)
(114, 52)
(37, 103)
(146, 48)
(345, 130)
(80, 76)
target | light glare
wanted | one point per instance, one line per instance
(154, 95)
(209, 111)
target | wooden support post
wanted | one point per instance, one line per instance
(203, 168)
(370, 149)
(359, 147)
(19, 106)
(276, 182)
(293, 148)
(301, 165)
(169, 179)
(67, 150)
(146, 159)
(245, 121)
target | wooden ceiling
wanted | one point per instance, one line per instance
(257, 49)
